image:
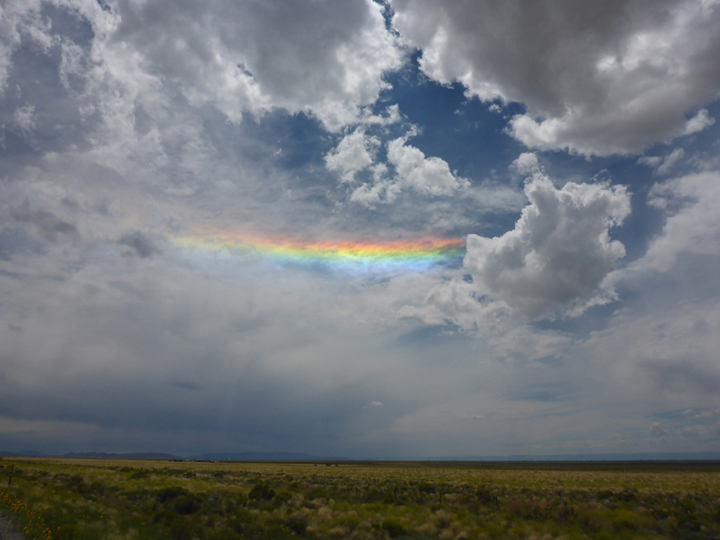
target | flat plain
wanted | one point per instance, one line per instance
(76, 499)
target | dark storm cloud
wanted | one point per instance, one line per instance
(597, 78)
(141, 245)
(43, 107)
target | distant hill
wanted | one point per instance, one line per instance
(22, 453)
(267, 456)
(619, 456)
(297, 456)
(238, 456)
(132, 455)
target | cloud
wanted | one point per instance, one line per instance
(121, 132)
(427, 176)
(324, 58)
(682, 375)
(558, 253)
(660, 347)
(546, 392)
(526, 164)
(47, 224)
(699, 122)
(663, 164)
(598, 79)
(656, 430)
(139, 243)
(353, 154)
(24, 118)
(373, 405)
(553, 262)
(690, 204)
(122, 332)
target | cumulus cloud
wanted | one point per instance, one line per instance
(554, 260)
(325, 58)
(596, 78)
(353, 154)
(430, 176)
(526, 164)
(560, 249)
(427, 176)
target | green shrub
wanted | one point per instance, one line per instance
(394, 528)
(261, 492)
(187, 504)
(170, 493)
(224, 534)
(486, 497)
(297, 524)
(282, 497)
(426, 487)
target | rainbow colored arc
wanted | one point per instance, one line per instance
(351, 255)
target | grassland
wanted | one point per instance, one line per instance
(53, 499)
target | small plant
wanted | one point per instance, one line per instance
(297, 524)
(261, 492)
(394, 528)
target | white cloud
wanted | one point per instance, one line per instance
(596, 78)
(671, 160)
(380, 191)
(392, 117)
(663, 164)
(24, 118)
(373, 405)
(559, 251)
(18, 18)
(429, 176)
(699, 122)
(651, 161)
(692, 224)
(353, 154)
(325, 58)
(526, 164)
(554, 260)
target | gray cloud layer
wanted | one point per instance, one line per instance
(597, 78)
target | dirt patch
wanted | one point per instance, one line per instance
(8, 532)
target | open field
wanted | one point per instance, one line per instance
(66, 499)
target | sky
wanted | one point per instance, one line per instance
(399, 229)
